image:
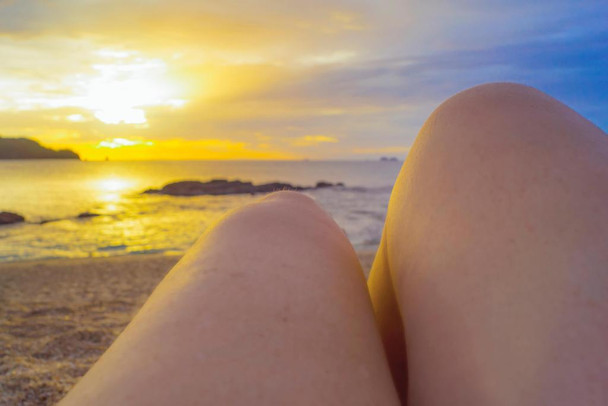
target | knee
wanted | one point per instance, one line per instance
(290, 197)
(491, 116)
(495, 163)
(505, 148)
(282, 213)
(495, 95)
(498, 127)
(279, 228)
(292, 204)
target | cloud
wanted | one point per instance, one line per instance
(212, 149)
(122, 142)
(369, 71)
(312, 140)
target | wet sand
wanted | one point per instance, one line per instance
(58, 316)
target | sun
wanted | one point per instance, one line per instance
(124, 85)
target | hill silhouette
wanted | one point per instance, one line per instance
(25, 148)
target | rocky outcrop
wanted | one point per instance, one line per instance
(10, 218)
(323, 184)
(80, 216)
(218, 187)
(86, 215)
(25, 148)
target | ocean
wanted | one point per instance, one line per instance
(51, 194)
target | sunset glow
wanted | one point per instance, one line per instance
(121, 90)
(233, 80)
(122, 142)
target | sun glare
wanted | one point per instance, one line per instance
(113, 184)
(122, 86)
(111, 189)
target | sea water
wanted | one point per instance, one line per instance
(55, 192)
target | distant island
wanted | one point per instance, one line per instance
(389, 159)
(25, 148)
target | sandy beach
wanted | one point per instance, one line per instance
(58, 316)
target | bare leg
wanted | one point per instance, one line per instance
(496, 246)
(269, 307)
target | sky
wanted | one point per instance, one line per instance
(289, 79)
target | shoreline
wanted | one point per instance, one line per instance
(143, 255)
(57, 316)
(366, 258)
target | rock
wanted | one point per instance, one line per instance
(323, 184)
(218, 187)
(46, 221)
(10, 218)
(389, 159)
(86, 215)
(213, 187)
(276, 186)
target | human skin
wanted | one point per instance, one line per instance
(494, 261)
(489, 286)
(269, 307)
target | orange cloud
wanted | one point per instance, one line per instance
(186, 80)
(311, 140)
(177, 149)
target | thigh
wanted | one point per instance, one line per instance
(496, 249)
(269, 307)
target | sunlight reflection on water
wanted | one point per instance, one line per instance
(130, 222)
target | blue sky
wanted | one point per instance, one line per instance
(260, 79)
